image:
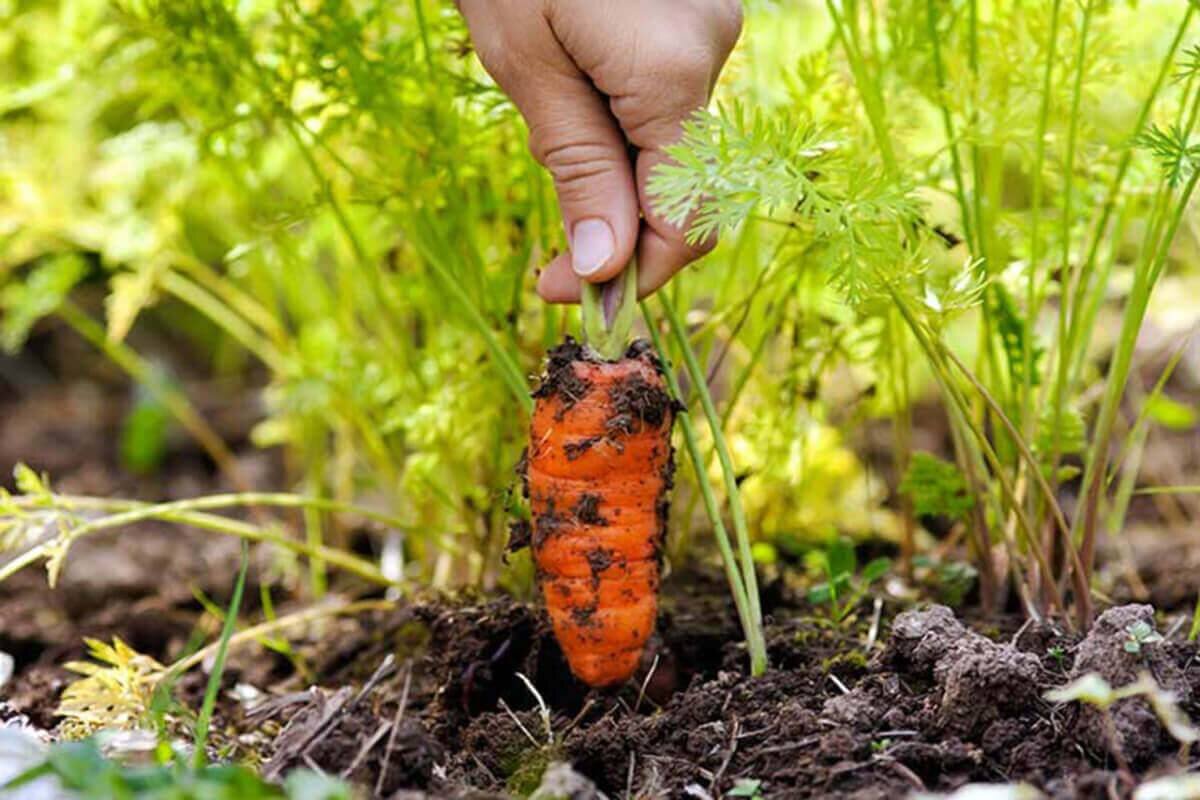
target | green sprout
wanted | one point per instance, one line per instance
(1139, 635)
(844, 586)
(749, 788)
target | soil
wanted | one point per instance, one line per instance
(430, 698)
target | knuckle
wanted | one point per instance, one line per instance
(571, 162)
(689, 68)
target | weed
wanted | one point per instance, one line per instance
(855, 660)
(749, 788)
(82, 769)
(1059, 655)
(1140, 635)
(845, 585)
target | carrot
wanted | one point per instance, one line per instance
(598, 470)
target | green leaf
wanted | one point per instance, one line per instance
(305, 784)
(1140, 630)
(39, 295)
(143, 443)
(764, 553)
(1015, 335)
(204, 718)
(1171, 413)
(840, 559)
(746, 787)
(1173, 150)
(1091, 689)
(1071, 432)
(1067, 472)
(820, 594)
(936, 487)
(29, 483)
(876, 569)
(129, 294)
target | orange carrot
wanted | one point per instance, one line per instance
(598, 469)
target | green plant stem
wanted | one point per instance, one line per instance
(174, 400)
(276, 625)
(1086, 523)
(751, 625)
(188, 512)
(1157, 490)
(1141, 423)
(609, 337)
(1079, 571)
(502, 359)
(214, 502)
(1012, 497)
(868, 90)
(241, 301)
(1032, 302)
(1085, 323)
(1114, 188)
(941, 358)
(200, 756)
(224, 316)
(423, 28)
(948, 129)
(983, 241)
(314, 528)
(1070, 275)
(733, 494)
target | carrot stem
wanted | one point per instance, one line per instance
(608, 310)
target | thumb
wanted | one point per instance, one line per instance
(573, 134)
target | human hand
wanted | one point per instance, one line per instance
(596, 80)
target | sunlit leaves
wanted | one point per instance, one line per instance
(736, 164)
(730, 164)
(115, 691)
(1173, 150)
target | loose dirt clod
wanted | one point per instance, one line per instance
(587, 509)
(560, 377)
(1138, 731)
(341, 734)
(966, 667)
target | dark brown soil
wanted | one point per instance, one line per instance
(936, 706)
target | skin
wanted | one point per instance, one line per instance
(604, 86)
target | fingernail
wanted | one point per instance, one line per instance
(592, 245)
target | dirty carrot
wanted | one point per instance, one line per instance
(597, 473)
